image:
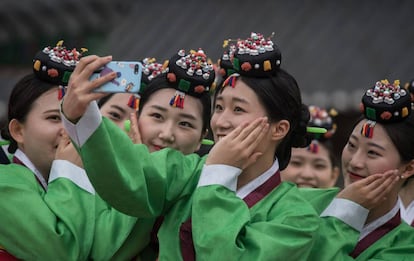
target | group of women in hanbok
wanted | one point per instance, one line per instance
(81, 187)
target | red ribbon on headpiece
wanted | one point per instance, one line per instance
(133, 101)
(367, 129)
(313, 147)
(61, 92)
(178, 100)
(231, 80)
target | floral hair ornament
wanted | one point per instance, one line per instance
(56, 64)
(384, 103)
(191, 73)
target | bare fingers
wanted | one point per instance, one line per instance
(133, 131)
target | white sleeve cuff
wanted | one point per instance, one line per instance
(68, 170)
(348, 211)
(87, 124)
(218, 174)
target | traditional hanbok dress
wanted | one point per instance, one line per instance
(345, 236)
(40, 220)
(165, 183)
(407, 213)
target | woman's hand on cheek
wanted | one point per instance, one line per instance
(371, 191)
(80, 89)
(239, 147)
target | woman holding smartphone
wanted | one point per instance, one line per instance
(163, 183)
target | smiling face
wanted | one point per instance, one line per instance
(116, 108)
(40, 134)
(310, 169)
(362, 156)
(162, 125)
(234, 106)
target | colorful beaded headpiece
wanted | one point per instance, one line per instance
(150, 70)
(256, 56)
(323, 119)
(252, 57)
(56, 64)
(384, 103)
(191, 74)
(225, 63)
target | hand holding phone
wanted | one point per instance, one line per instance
(128, 77)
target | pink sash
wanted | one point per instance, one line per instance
(186, 236)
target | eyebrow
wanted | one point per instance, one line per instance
(183, 115)
(118, 107)
(370, 143)
(234, 99)
(52, 111)
(376, 145)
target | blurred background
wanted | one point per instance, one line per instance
(335, 49)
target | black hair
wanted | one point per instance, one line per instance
(401, 135)
(26, 91)
(280, 95)
(161, 82)
(327, 143)
(104, 99)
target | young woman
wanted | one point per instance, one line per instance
(116, 107)
(165, 182)
(407, 201)
(377, 160)
(315, 166)
(162, 125)
(407, 190)
(29, 186)
(111, 235)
